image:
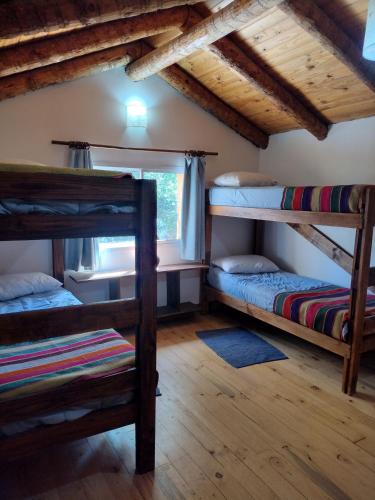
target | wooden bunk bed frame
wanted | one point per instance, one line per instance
(139, 312)
(361, 327)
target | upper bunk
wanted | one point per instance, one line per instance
(54, 203)
(343, 206)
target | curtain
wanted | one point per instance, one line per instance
(80, 253)
(193, 209)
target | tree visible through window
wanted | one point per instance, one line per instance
(169, 197)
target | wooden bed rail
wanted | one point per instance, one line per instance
(74, 393)
(39, 227)
(59, 321)
(35, 186)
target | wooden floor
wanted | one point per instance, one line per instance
(276, 430)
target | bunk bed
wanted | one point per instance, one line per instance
(112, 380)
(302, 208)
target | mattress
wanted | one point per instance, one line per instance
(260, 289)
(338, 199)
(56, 298)
(254, 197)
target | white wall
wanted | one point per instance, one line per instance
(93, 109)
(346, 156)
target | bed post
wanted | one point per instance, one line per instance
(359, 285)
(58, 259)
(146, 330)
(207, 258)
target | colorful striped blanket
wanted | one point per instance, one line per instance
(343, 199)
(31, 367)
(325, 309)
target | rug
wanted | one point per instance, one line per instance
(240, 347)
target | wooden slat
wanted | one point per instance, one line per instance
(66, 187)
(44, 227)
(198, 93)
(291, 216)
(58, 259)
(331, 37)
(234, 16)
(31, 442)
(62, 398)
(32, 325)
(296, 329)
(21, 21)
(81, 42)
(325, 244)
(368, 343)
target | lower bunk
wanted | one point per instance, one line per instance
(59, 388)
(310, 309)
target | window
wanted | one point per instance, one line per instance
(169, 197)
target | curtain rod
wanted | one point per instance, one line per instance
(106, 146)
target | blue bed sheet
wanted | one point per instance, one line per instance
(260, 289)
(251, 197)
(55, 298)
(23, 207)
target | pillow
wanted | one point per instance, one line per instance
(246, 264)
(20, 284)
(22, 162)
(238, 179)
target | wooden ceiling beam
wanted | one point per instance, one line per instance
(234, 57)
(231, 18)
(317, 23)
(22, 20)
(39, 53)
(104, 60)
(201, 95)
(22, 83)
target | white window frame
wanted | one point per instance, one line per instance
(110, 165)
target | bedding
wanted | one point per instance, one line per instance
(325, 309)
(59, 297)
(19, 284)
(32, 367)
(260, 289)
(341, 199)
(249, 264)
(237, 179)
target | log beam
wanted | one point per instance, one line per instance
(104, 60)
(196, 92)
(14, 85)
(259, 78)
(81, 42)
(22, 20)
(231, 18)
(317, 23)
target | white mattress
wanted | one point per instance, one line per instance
(250, 197)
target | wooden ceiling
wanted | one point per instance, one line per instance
(289, 65)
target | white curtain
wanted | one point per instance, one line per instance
(193, 209)
(80, 253)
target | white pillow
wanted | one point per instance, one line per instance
(240, 179)
(20, 284)
(246, 264)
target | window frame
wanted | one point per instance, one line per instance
(119, 166)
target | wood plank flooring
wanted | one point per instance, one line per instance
(280, 430)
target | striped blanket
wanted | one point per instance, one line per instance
(31, 367)
(343, 199)
(325, 310)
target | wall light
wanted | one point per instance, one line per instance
(136, 114)
(369, 43)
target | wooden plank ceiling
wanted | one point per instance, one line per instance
(293, 65)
